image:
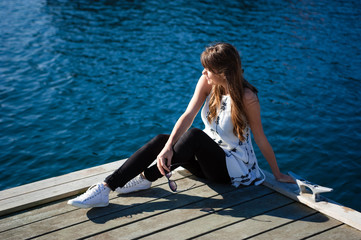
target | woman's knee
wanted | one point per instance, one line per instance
(193, 133)
(160, 138)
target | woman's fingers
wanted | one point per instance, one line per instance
(168, 164)
(164, 160)
(160, 167)
(163, 164)
(286, 179)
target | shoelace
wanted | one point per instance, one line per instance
(89, 193)
(133, 182)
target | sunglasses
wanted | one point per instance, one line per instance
(171, 183)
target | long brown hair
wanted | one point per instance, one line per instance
(223, 58)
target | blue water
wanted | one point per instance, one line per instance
(83, 83)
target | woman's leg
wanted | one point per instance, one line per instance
(195, 151)
(198, 153)
(210, 163)
(98, 195)
(137, 163)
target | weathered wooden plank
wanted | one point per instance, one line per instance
(52, 189)
(326, 206)
(42, 196)
(62, 209)
(343, 232)
(302, 228)
(155, 225)
(219, 219)
(68, 220)
(53, 210)
(63, 179)
(260, 223)
(144, 212)
(57, 208)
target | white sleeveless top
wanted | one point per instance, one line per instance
(241, 160)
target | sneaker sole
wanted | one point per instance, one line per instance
(79, 205)
(133, 190)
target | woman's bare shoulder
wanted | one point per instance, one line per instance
(205, 86)
(249, 97)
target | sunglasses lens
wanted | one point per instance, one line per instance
(173, 185)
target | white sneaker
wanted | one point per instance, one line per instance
(136, 184)
(96, 196)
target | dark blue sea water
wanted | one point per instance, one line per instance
(83, 83)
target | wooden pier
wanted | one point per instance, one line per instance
(200, 210)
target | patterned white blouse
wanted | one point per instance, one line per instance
(241, 160)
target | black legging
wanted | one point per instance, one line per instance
(195, 151)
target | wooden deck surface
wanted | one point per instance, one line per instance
(199, 210)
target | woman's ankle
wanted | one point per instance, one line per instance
(143, 176)
(106, 185)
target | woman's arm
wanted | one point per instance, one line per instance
(253, 112)
(184, 122)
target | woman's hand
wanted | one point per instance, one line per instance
(284, 178)
(164, 159)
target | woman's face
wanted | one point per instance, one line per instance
(214, 79)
